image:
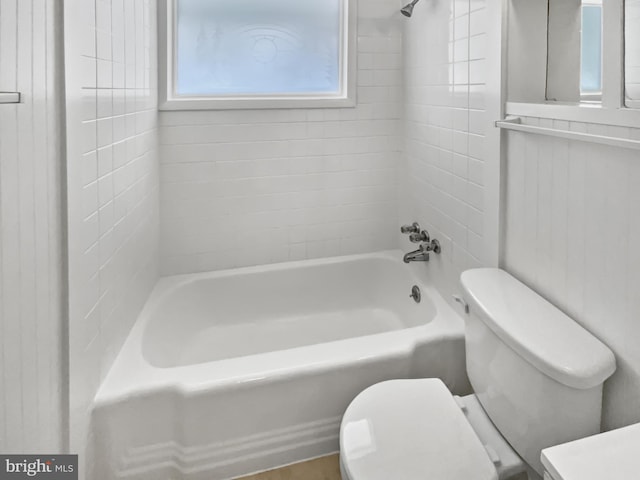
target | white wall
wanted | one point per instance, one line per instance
(527, 32)
(261, 186)
(444, 134)
(32, 381)
(572, 233)
(632, 48)
(111, 87)
(563, 53)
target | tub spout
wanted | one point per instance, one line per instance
(419, 255)
(422, 253)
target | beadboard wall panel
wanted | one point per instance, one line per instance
(572, 226)
(32, 347)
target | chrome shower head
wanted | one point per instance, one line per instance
(407, 10)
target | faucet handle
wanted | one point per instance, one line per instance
(423, 236)
(413, 228)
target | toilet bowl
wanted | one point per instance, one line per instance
(537, 377)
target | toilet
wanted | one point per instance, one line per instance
(537, 377)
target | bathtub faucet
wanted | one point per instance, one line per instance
(417, 235)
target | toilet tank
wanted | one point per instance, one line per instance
(536, 372)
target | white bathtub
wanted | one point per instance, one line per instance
(233, 372)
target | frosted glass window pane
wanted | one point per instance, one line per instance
(253, 47)
(591, 54)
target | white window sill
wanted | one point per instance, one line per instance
(253, 103)
(585, 112)
(633, 104)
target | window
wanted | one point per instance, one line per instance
(257, 54)
(574, 50)
(573, 60)
(591, 50)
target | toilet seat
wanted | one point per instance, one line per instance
(410, 430)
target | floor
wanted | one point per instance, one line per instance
(323, 468)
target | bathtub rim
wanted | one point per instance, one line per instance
(131, 375)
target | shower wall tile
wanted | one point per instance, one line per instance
(113, 184)
(251, 187)
(571, 233)
(444, 127)
(32, 383)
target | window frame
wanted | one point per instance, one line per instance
(613, 109)
(168, 100)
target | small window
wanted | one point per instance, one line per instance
(591, 50)
(574, 51)
(258, 54)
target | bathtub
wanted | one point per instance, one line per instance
(229, 373)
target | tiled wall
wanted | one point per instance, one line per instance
(110, 57)
(252, 187)
(572, 233)
(32, 383)
(444, 46)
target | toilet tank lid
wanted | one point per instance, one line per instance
(539, 332)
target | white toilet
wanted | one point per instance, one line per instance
(537, 377)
